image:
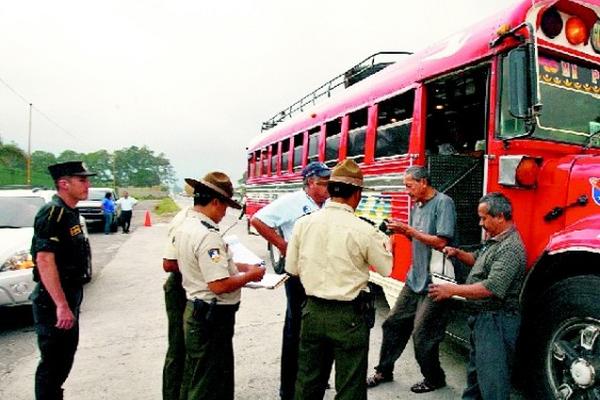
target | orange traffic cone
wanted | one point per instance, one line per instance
(147, 221)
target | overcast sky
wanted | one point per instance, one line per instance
(191, 79)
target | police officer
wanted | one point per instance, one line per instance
(275, 222)
(331, 251)
(59, 249)
(212, 283)
(175, 302)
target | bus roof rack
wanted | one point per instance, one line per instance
(360, 71)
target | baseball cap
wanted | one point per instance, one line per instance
(316, 168)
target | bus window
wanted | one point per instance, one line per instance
(264, 160)
(285, 156)
(394, 120)
(333, 131)
(257, 163)
(298, 142)
(249, 169)
(274, 159)
(456, 113)
(356, 135)
(313, 144)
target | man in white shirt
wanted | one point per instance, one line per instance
(126, 203)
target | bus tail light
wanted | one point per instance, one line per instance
(552, 23)
(582, 25)
(519, 171)
(576, 31)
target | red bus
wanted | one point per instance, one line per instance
(511, 104)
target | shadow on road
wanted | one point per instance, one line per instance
(15, 318)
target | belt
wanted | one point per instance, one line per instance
(361, 298)
(223, 307)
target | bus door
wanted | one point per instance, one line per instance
(455, 134)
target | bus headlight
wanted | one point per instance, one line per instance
(519, 171)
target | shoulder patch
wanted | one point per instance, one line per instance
(75, 230)
(215, 255)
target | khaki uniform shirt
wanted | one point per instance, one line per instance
(331, 250)
(170, 252)
(203, 257)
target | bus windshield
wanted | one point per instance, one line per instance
(570, 95)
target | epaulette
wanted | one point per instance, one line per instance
(367, 220)
(209, 226)
(305, 214)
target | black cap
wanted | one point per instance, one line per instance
(69, 168)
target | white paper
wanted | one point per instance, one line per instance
(269, 281)
(241, 254)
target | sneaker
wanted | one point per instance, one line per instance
(424, 387)
(378, 378)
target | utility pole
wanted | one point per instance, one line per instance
(29, 148)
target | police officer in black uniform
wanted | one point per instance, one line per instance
(59, 250)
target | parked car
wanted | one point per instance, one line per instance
(17, 212)
(91, 209)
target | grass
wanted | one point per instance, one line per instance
(165, 206)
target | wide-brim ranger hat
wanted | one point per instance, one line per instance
(218, 183)
(69, 168)
(347, 172)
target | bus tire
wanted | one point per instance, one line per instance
(276, 259)
(566, 314)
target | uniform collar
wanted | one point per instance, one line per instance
(205, 219)
(311, 199)
(339, 206)
(61, 202)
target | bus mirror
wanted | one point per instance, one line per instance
(523, 86)
(518, 83)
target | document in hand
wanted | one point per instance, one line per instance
(241, 254)
(269, 281)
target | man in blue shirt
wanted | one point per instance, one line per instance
(280, 216)
(431, 225)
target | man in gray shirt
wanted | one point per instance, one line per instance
(492, 290)
(431, 225)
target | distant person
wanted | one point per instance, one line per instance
(175, 302)
(59, 250)
(331, 251)
(212, 283)
(108, 209)
(275, 222)
(492, 292)
(126, 203)
(431, 226)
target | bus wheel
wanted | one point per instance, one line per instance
(277, 260)
(566, 337)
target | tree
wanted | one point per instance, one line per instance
(139, 166)
(11, 156)
(39, 168)
(100, 162)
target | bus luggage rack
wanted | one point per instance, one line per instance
(360, 71)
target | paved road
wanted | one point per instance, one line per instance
(123, 331)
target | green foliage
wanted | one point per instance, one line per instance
(133, 166)
(166, 205)
(139, 166)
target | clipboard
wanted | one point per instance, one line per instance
(269, 281)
